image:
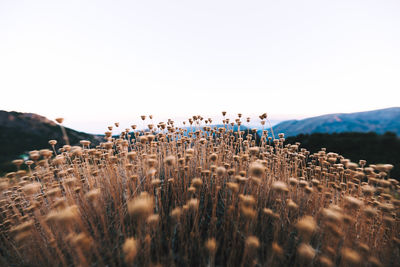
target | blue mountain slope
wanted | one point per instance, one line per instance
(379, 121)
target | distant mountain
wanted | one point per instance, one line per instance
(23, 132)
(378, 121)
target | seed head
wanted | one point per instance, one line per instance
(65, 216)
(141, 206)
(70, 181)
(192, 189)
(386, 207)
(292, 205)
(254, 150)
(53, 142)
(153, 219)
(353, 202)
(247, 200)
(325, 261)
(23, 227)
(176, 213)
(233, 186)
(3, 185)
(252, 243)
(31, 188)
(279, 186)
(270, 213)
(85, 143)
(190, 151)
(374, 262)
(256, 169)
(332, 215)
(93, 194)
(211, 246)
(130, 249)
(293, 181)
(197, 182)
(213, 157)
(306, 226)
(350, 256)
(170, 160)
(306, 252)
(22, 236)
(155, 182)
(193, 204)
(82, 240)
(277, 249)
(368, 190)
(248, 212)
(370, 212)
(220, 171)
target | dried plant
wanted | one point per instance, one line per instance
(197, 196)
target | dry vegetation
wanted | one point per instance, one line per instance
(202, 197)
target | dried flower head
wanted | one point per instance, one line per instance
(306, 252)
(220, 171)
(252, 243)
(82, 240)
(93, 194)
(193, 204)
(197, 182)
(234, 187)
(141, 206)
(278, 250)
(350, 256)
(67, 215)
(279, 186)
(306, 226)
(130, 249)
(32, 188)
(256, 169)
(353, 202)
(153, 219)
(170, 160)
(176, 213)
(325, 261)
(211, 246)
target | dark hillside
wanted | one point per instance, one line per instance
(23, 132)
(372, 147)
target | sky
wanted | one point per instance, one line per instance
(99, 62)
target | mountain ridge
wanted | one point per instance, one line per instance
(378, 121)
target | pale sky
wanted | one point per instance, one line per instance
(97, 62)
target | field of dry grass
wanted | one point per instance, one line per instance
(198, 196)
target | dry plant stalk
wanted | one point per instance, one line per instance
(197, 196)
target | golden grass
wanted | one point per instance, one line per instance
(204, 197)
